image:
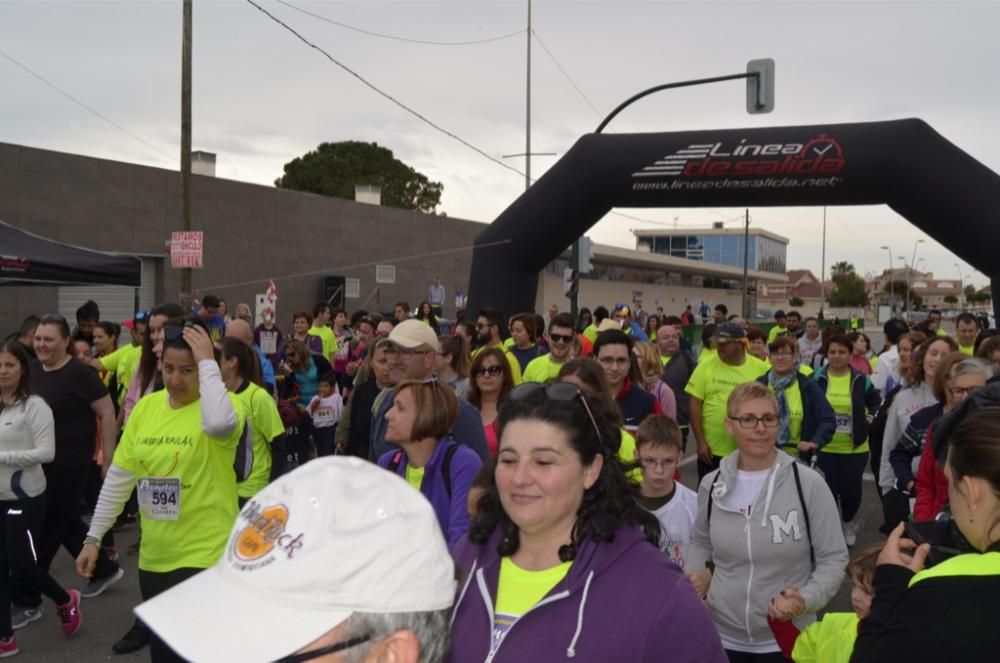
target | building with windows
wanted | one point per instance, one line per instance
(718, 246)
(933, 292)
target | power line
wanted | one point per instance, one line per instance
(86, 107)
(566, 75)
(382, 35)
(381, 93)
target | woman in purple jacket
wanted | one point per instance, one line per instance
(561, 561)
(419, 421)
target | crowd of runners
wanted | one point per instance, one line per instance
(537, 511)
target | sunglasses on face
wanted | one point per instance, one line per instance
(563, 392)
(560, 338)
(492, 371)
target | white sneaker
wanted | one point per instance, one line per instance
(851, 533)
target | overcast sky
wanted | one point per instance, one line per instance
(261, 97)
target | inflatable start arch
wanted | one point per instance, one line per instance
(904, 164)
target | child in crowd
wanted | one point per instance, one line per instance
(831, 640)
(325, 409)
(659, 448)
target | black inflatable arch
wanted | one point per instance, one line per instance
(904, 164)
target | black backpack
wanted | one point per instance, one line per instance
(445, 465)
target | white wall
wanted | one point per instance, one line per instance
(673, 299)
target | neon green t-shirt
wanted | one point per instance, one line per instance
(775, 332)
(967, 350)
(665, 360)
(830, 640)
(508, 342)
(838, 392)
(122, 361)
(265, 424)
(591, 333)
(542, 369)
(795, 408)
(707, 353)
(163, 445)
(414, 476)
(328, 338)
(518, 591)
(711, 383)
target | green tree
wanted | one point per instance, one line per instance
(898, 288)
(950, 299)
(796, 301)
(333, 169)
(848, 288)
(970, 292)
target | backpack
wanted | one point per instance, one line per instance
(445, 465)
(802, 501)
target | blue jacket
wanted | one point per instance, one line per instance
(864, 399)
(819, 421)
(468, 429)
(451, 511)
(267, 370)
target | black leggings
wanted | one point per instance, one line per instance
(151, 584)
(844, 474)
(20, 523)
(746, 657)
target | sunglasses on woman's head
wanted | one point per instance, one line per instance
(563, 392)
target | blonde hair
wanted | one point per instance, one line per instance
(749, 391)
(649, 359)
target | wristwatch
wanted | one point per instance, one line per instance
(93, 540)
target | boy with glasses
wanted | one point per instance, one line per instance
(659, 448)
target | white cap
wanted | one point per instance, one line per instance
(336, 536)
(413, 334)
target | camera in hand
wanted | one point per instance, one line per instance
(943, 535)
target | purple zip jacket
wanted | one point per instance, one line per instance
(452, 512)
(622, 600)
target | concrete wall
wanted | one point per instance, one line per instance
(673, 299)
(252, 233)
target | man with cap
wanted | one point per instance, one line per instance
(413, 347)
(337, 556)
(709, 388)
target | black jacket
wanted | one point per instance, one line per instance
(675, 375)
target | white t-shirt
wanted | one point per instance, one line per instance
(328, 413)
(676, 521)
(744, 493)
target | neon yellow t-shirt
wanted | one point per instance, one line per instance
(967, 350)
(265, 424)
(518, 591)
(838, 392)
(542, 369)
(707, 353)
(665, 360)
(712, 382)
(776, 331)
(161, 442)
(508, 342)
(328, 338)
(122, 361)
(414, 476)
(795, 408)
(830, 640)
(591, 333)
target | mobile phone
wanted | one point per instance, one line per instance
(943, 536)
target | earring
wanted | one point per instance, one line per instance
(972, 513)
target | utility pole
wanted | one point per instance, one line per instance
(822, 270)
(746, 267)
(186, 287)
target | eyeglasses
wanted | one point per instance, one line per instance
(750, 421)
(962, 392)
(323, 651)
(492, 371)
(563, 392)
(782, 355)
(615, 361)
(652, 463)
(560, 338)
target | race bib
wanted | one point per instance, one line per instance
(159, 498)
(323, 416)
(843, 423)
(268, 342)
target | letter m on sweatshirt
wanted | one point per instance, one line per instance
(787, 526)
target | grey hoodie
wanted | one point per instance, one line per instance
(759, 555)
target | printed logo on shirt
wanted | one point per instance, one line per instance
(789, 526)
(263, 539)
(501, 625)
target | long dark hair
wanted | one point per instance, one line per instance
(607, 506)
(147, 362)
(247, 363)
(431, 318)
(474, 396)
(15, 348)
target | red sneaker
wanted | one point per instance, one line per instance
(69, 614)
(8, 647)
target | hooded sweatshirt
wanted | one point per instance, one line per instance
(621, 600)
(760, 554)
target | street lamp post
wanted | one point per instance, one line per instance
(961, 288)
(892, 284)
(907, 268)
(909, 281)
